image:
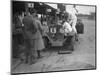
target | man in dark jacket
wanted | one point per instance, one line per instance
(29, 31)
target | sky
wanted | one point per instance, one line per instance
(81, 9)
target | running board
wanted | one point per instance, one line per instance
(65, 51)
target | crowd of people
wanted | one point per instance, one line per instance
(31, 30)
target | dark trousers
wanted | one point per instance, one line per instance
(29, 49)
(17, 39)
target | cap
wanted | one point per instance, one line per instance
(31, 10)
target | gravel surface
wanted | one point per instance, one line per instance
(82, 58)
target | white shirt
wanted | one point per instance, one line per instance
(67, 27)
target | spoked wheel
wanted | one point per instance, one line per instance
(46, 42)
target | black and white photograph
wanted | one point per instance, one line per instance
(52, 37)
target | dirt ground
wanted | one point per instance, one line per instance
(83, 57)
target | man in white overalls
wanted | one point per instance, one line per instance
(70, 26)
(72, 20)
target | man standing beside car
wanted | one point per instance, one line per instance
(72, 20)
(29, 30)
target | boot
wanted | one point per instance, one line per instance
(38, 53)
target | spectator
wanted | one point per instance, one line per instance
(29, 31)
(39, 43)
